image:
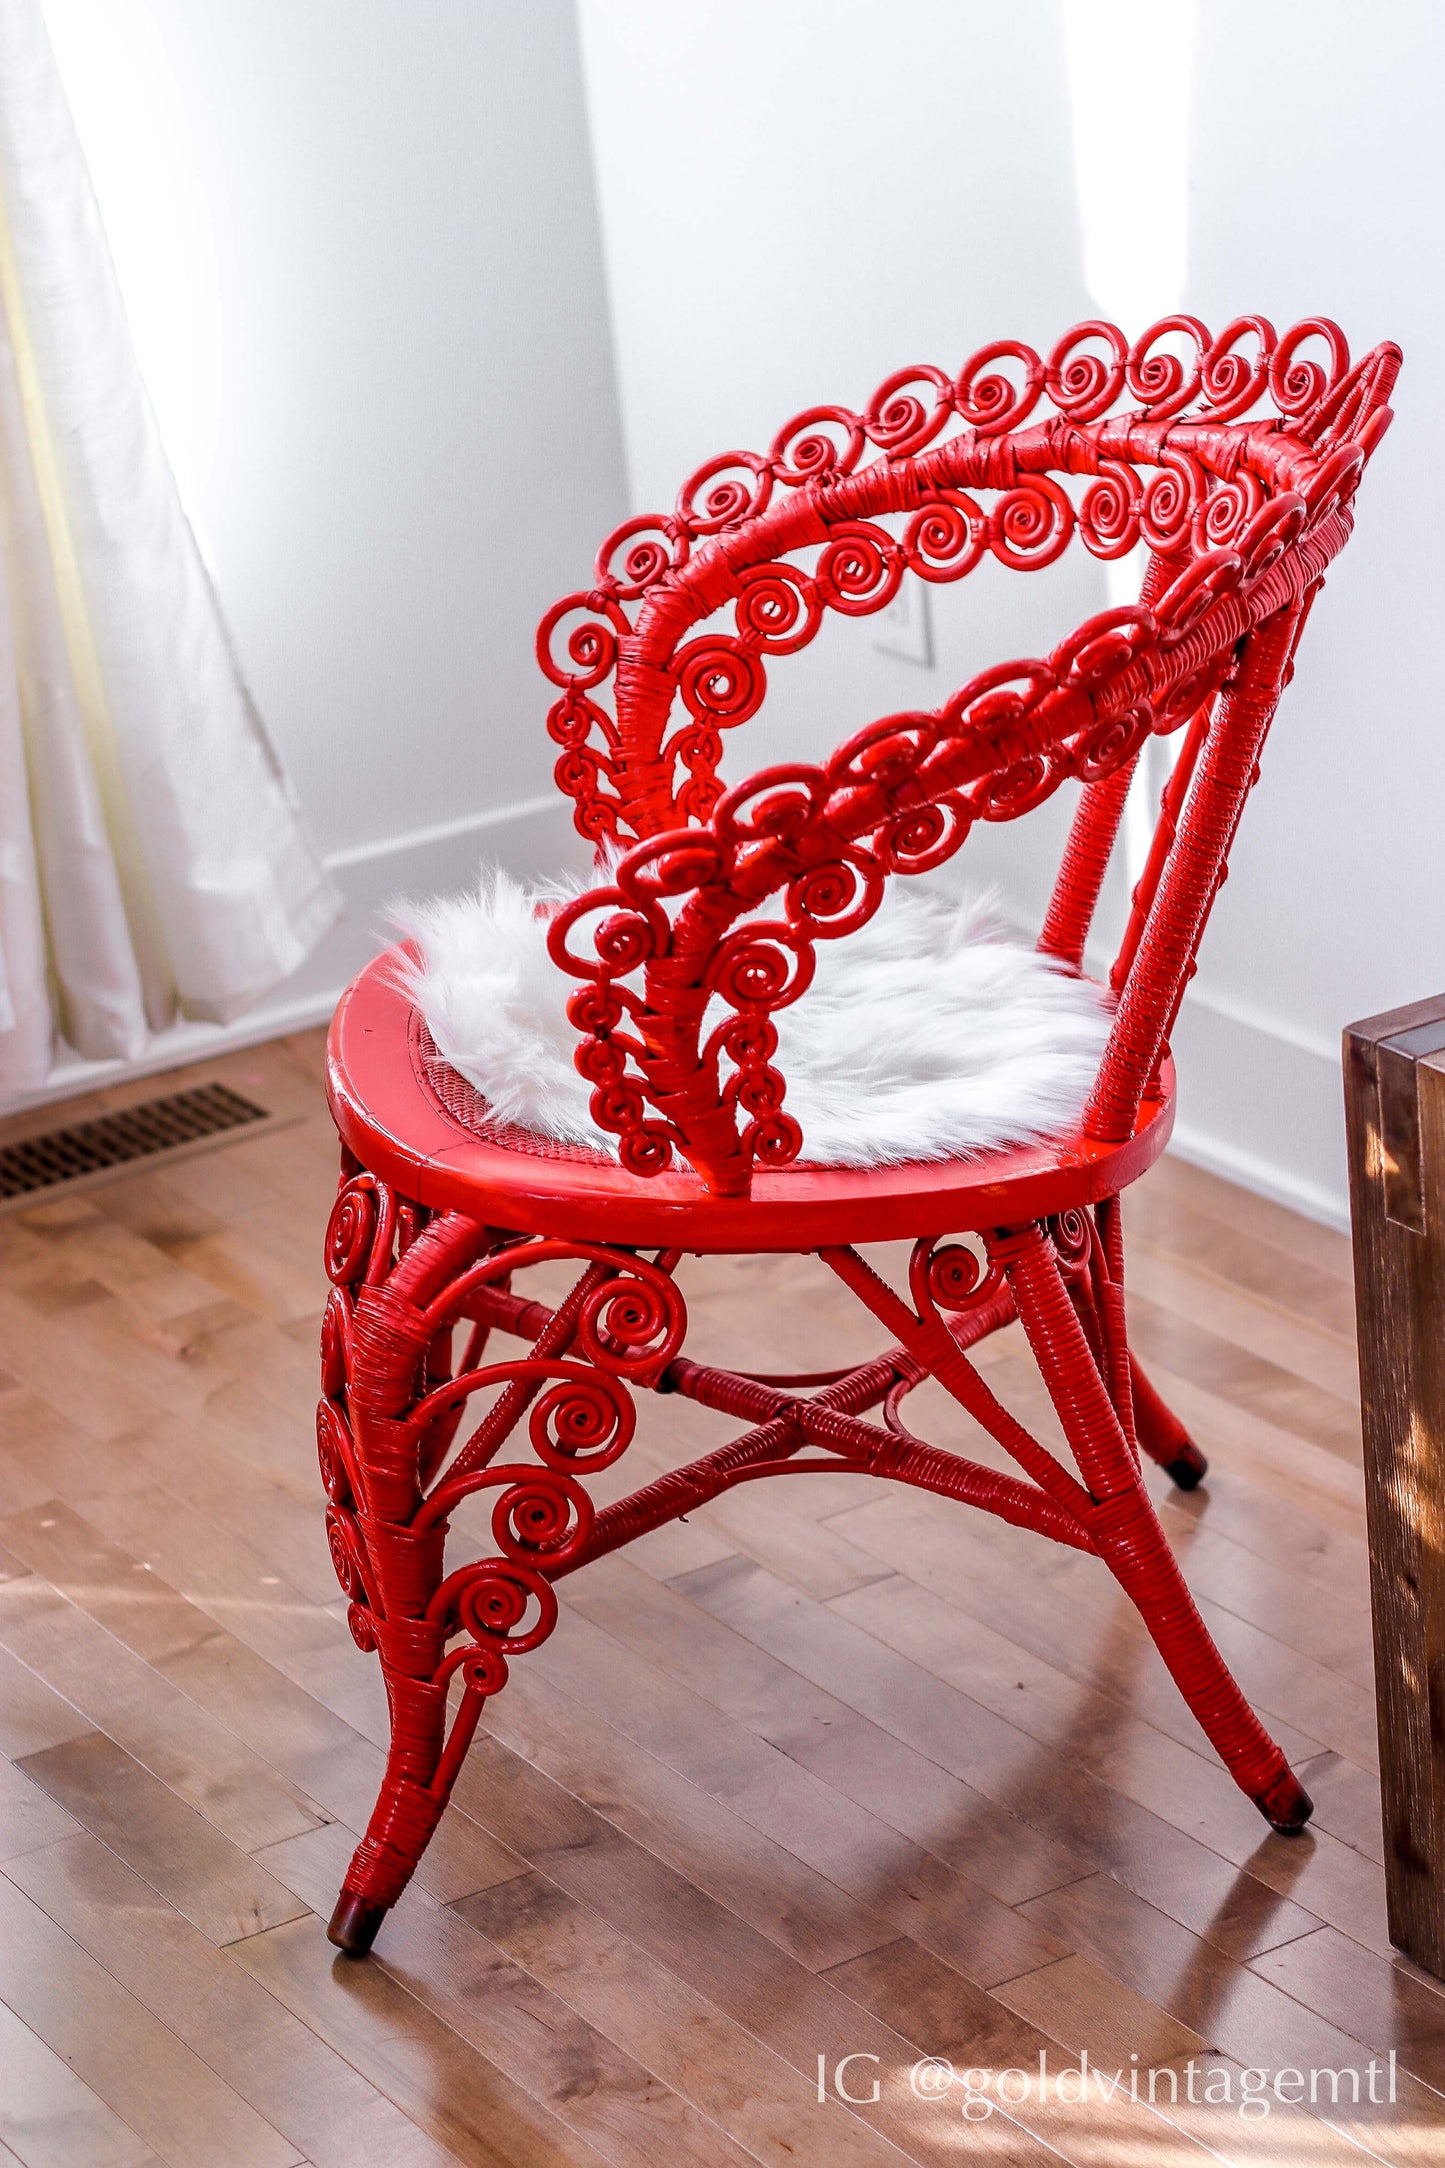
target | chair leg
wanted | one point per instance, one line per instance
(1137, 1553)
(1162, 1435)
(1127, 1534)
(407, 1810)
(389, 1413)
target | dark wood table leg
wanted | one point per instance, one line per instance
(1395, 1114)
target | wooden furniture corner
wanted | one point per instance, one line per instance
(1395, 1114)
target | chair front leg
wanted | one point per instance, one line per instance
(388, 1417)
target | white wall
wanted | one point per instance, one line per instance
(359, 247)
(798, 197)
(1326, 197)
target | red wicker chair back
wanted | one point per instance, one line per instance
(1234, 459)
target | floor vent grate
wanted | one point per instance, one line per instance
(113, 1140)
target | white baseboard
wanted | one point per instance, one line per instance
(530, 836)
(1262, 1106)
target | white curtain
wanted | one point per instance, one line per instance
(153, 861)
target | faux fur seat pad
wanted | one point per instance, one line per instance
(929, 1034)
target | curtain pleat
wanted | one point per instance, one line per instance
(153, 860)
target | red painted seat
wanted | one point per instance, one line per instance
(1235, 461)
(420, 1127)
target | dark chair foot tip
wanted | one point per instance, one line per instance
(354, 1923)
(1286, 1806)
(1189, 1471)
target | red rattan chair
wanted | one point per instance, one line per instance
(724, 894)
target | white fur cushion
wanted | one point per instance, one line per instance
(928, 1034)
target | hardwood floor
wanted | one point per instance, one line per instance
(845, 1774)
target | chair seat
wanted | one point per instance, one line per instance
(419, 1126)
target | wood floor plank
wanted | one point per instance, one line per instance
(1000, 1849)
(211, 1882)
(266, 1508)
(1269, 1274)
(161, 1726)
(121, 1593)
(1241, 1441)
(965, 1915)
(322, 1756)
(451, 2095)
(1317, 1354)
(32, 1715)
(1065, 1611)
(1254, 1217)
(96, 1362)
(104, 1248)
(817, 1559)
(444, 1960)
(1323, 1875)
(237, 1585)
(707, 2056)
(1251, 2019)
(1317, 1623)
(1184, 1786)
(1279, 1531)
(1134, 2046)
(894, 1883)
(1292, 1402)
(136, 2064)
(1091, 1824)
(798, 1912)
(50, 2117)
(263, 1276)
(1374, 1999)
(923, 1999)
(224, 2014)
(1347, 1803)
(29, 1817)
(44, 1454)
(588, 2082)
(335, 1769)
(278, 1737)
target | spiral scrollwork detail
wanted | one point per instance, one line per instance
(860, 569)
(946, 539)
(908, 410)
(988, 398)
(952, 1276)
(1031, 525)
(583, 1423)
(352, 1231)
(1082, 382)
(348, 1552)
(834, 898)
(543, 1518)
(1071, 1234)
(632, 1325)
(778, 609)
(507, 1602)
(335, 1343)
(1108, 518)
(336, 1454)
